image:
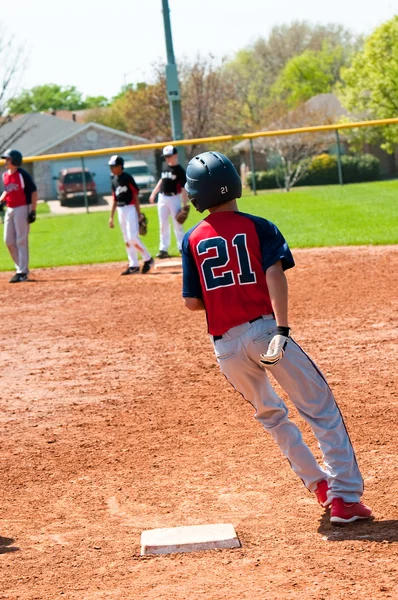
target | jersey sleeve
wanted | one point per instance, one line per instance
(182, 177)
(131, 182)
(273, 245)
(30, 185)
(191, 287)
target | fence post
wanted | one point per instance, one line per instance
(339, 168)
(84, 184)
(252, 168)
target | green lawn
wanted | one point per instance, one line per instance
(353, 214)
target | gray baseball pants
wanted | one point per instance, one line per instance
(238, 353)
(16, 233)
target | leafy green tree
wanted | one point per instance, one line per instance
(309, 74)
(289, 40)
(140, 109)
(370, 84)
(251, 82)
(46, 97)
(95, 101)
(255, 69)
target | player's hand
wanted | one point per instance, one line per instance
(276, 348)
(32, 216)
(151, 199)
(111, 224)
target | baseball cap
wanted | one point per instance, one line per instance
(116, 160)
(169, 150)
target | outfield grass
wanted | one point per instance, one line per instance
(356, 214)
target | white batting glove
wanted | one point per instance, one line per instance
(276, 347)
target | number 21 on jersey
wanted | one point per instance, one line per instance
(221, 262)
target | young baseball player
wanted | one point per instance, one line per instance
(233, 268)
(126, 203)
(172, 196)
(20, 197)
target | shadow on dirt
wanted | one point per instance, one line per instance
(373, 531)
(6, 545)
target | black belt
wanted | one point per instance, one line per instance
(219, 337)
(164, 194)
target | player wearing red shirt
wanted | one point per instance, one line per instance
(20, 197)
(233, 268)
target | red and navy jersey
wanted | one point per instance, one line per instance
(124, 189)
(19, 187)
(173, 179)
(224, 260)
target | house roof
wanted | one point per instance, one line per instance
(37, 133)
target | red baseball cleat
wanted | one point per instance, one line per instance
(321, 493)
(345, 512)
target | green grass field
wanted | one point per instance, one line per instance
(356, 214)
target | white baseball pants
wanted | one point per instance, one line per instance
(128, 221)
(238, 353)
(16, 233)
(168, 206)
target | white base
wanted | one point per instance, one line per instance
(164, 263)
(188, 539)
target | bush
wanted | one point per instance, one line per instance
(323, 171)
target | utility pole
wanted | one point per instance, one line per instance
(173, 86)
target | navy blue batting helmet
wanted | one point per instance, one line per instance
(15, 155)
(212, 180)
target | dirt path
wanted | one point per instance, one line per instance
(115, 419)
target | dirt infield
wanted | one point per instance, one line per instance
(115, 419)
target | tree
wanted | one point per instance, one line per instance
(208, 106)
(12, 64)
(294, 151)
(50, 97)
(45, 98)
(140, 109)
(309, 74)
(254, 70)
(95, 101)
(286, 41)
(251, 82)
(370, 85)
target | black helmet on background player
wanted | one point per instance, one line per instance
(169, 150)
(15, 155)
(116, 160)
(212, 180)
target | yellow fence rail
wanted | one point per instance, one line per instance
(206, 140)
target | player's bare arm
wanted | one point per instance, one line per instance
(278, 291)
(184, 196)
(194, 304)
(113, 210)
(155, 191)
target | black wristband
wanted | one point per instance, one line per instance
(283, 331)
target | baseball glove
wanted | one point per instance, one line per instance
(182, 214)
(142, 224)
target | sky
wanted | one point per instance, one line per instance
(99, 45)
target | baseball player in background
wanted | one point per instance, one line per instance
(20, 197)
(233, 268)
(172, 196)
(126, 203)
